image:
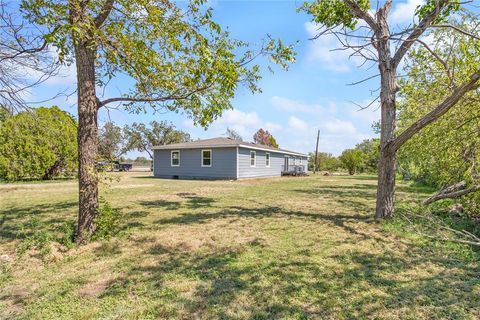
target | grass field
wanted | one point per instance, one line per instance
(283, 248)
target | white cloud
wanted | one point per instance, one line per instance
(336, 134)
(403, 13)
(321, 48)
(337, 126)
(245, 123)
(67, 76)
(272, 127)
(297, 125)
(368, 115)
(291, 105)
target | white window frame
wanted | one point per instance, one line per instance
(300, 160)
(267, 157)
(209, 150)
(171, 158)
(254, 158)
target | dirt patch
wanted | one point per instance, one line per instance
(95, 289)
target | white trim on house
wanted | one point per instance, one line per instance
(202, 158)
(171, 158)
(232, 145)
(254, 159)
(238, 169)
(271, 150)
(267, 157)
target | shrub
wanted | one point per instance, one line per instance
(68, 234)
(107, 221)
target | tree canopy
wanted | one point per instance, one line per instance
(353, 160)
(265, 138)
(178, 57)
(38, 144)
(232, 134)
(110, 142)
(448, 151)
(142, 138)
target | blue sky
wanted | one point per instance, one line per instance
(314, 94)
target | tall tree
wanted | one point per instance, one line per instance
(264, 137)
(232, 134)
(353, 160)
(178, 58)
(38, 144)
(376, 41)
(447, 153)
(142, 138)
(370, 148)
(110, 142)
(325, 161)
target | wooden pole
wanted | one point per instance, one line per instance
(315, 165)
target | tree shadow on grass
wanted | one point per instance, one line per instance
(12, 219)
(192, 202)
(161, 204)
(350, 285)
(358, 177)
(235, 212)
(347, 196)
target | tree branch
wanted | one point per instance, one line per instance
(153, 99)
(418, 31)
(469, 34)
(452, 194)
(104, 12)
(436, 113)
(360, 14)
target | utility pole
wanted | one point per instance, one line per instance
(315, 165)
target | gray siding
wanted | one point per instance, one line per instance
(260, 169)
(224, 164)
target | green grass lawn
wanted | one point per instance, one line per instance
(283, 248)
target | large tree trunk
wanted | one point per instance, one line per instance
(87, 140)
(386, 186)
(387, 157)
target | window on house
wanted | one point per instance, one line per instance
(253, 158)
(267, 159)
(206, 158)
(175, 158)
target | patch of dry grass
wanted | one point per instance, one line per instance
(292, 248)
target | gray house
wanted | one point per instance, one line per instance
(224, 158)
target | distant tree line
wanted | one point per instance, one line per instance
(115, 141)
(362, 158)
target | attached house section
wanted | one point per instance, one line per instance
(259, 163)
(208, 163)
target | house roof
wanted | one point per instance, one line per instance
(224, 142)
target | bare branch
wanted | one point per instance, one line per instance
(418, 31)
(464, 32)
